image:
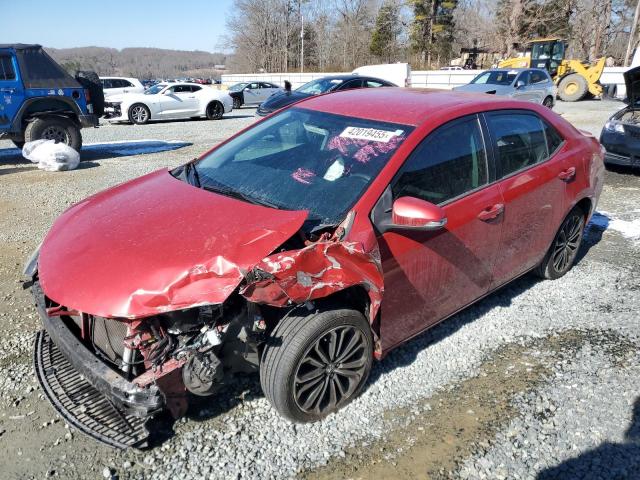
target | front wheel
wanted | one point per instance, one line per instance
(548, 102)
(237, 103)
(316, 364)
(58, 129)
(564, 249)
(139, 114)
(215, 110)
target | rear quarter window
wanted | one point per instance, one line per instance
(7, 72)
(518, 139)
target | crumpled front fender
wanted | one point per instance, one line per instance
(316, 271)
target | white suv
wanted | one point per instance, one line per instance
(118, 85)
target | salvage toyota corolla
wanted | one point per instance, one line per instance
(304, 247)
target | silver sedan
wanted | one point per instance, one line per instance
(530, 84)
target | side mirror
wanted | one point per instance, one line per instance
(519, 84)
(414, 213)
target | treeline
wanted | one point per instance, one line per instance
(139, 62)
(267, 35)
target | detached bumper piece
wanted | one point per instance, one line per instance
(80, 404)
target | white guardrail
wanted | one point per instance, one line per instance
(444, 79)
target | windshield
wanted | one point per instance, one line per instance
(237, 87)
(322, 85)
(155, 89)
(303, 160)
(496, 77)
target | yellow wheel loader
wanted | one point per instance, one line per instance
(572, 77)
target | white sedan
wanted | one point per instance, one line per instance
(169, 101)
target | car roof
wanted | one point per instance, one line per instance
(118, 78)
(20, 46)
(408, 106)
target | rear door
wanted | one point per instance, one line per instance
(430, 275)
(11, 91)
(531, 183)
(539, 85)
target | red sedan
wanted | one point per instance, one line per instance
(302, 248)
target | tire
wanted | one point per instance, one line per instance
(91, 82)
(18, 143)
(237, 103)
(295, 349)
(548, 102)
(215, 110)
(572, 88)
(139, 114)
(60, 129)
(564, 249)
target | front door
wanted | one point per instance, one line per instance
(11, 91)
(534, 195)
(430, 275)
(178, 101)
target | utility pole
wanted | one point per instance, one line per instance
(632, 35)
(301, 43)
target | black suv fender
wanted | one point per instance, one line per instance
(59, 106)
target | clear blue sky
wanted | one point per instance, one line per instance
(177, 24)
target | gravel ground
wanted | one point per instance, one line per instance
(539, 379)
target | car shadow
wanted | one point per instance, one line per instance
(99, 151)
(609, 460)
(593, 233)
(246, 387)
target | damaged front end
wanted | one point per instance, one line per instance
(110, 377)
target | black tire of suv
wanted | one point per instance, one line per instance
(546, 269)
(91, 82)
(37, 130)
(289, 344)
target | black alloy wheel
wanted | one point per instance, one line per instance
(331, 370)
(564, 249)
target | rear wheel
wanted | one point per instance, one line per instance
(59, 129)
(139, 114)
(572, 88)
(564, 249)
(314, 365)
(215, 110)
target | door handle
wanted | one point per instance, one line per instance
(491, 212)
(568, 174)
(191, 97)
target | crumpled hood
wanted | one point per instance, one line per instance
(156, 244)
(485, 88)
(632, 82)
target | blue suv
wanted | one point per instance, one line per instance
(40, 100)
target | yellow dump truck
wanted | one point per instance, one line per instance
(574, 78)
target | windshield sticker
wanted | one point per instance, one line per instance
(335, 171)
(371, 134)
(336, 81)
(512, 72)
(303, 175)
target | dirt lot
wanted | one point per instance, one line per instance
(538, 380)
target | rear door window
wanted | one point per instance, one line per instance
(7, 72)
(450, 162)
(518, 139)
(350, 84)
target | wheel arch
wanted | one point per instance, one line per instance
(40, 106)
